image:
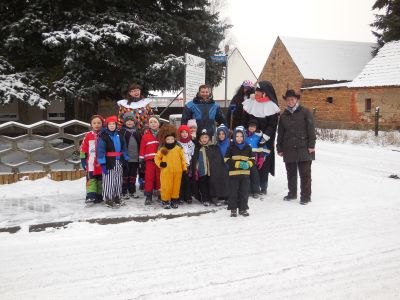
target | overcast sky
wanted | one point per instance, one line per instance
(257, 23)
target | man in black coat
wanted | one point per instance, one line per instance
(296, 143)
(204, 110)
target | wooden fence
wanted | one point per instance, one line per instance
(54, 175)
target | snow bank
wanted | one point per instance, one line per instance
(344, 245)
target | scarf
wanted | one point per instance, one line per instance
(187, 140)
(262, 99)
(154, 132)
(170, 146)
(133, 99)
(203, 162)
(293, 109)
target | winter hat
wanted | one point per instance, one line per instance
(155, 118)
(187, 129)
(253, 122)
(111, 119)
(267, 88)
(165, 131)
(243, 131)
(291, 93)
(248, 84)
(96, 116)
(192, 123)
(129, 116)
(203, 132)
(223, 128)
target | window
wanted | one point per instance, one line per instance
(8, 117)
(329, 99)
(368, 105)
(55, 116)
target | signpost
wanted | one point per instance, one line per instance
(195, 75)
(218, 58)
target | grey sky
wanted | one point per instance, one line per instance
(257, 23)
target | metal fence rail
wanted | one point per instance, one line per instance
(42, 146)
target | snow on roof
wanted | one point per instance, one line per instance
(327, 86)
(383, 69)
(327, 59)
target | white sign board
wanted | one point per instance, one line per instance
(195, 75)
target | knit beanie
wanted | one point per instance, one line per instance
(192, 123)
(128, 116)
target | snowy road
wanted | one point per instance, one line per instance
(344, 245)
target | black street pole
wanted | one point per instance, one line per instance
(377, 109)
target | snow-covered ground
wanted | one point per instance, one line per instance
(344, 245)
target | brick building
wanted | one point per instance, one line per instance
(352, 104)
(296, 63)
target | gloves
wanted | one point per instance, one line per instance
(163, 164)
(104, 169)
(260, 162)
(83, 163)
(232, 107)
(261, 143)
(244, 165)
(142, 165)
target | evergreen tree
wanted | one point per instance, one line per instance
(91, 49)
(387, 24)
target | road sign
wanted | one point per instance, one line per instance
(195, 75)
(218, 58)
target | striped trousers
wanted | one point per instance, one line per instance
(112, 183)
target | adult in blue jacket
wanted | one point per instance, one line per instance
(204, 110)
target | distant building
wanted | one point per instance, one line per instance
(352, 104)
(296, 63)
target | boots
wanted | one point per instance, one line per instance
(244, 213)
(289, 197)
(234, 213)
(174, 203)
(148, 200)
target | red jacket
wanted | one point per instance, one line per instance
(88, 151)
(148, 146)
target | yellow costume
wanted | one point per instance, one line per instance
(171, 175)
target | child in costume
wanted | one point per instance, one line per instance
(112, 155)
(148, 150)
(209, 168)
(240, 159)
(253, 138)
(171, 160)
(89, 161)
(223, 141)
(192, 124)
(185, 141)
(132, 139)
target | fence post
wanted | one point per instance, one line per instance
(377, 109)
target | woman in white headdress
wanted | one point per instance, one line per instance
(263, 107)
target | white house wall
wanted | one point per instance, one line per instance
(238, 71)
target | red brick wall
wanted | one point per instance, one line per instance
(281, 71)
(348, 107)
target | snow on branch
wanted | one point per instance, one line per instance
(18, 87)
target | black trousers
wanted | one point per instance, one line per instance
(304, 168)
(185, 192)
(204, 188)
(264, 172)
(239, 194)
(254, 180)
(129, 178)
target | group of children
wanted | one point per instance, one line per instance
(175, 164)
